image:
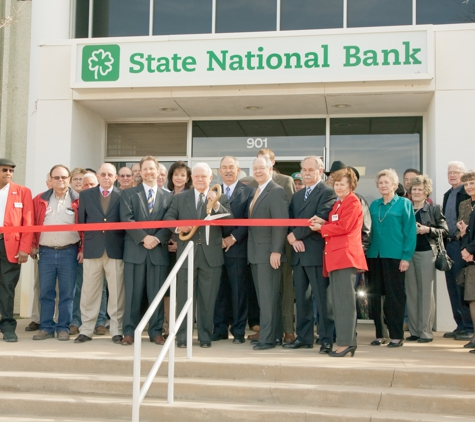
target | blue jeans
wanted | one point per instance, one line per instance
(62, 265)
(76, 319)
(460, 310)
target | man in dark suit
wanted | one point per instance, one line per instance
(208, 259)
(103, 253)
(286, 286)
(266, 252)
(232, 300)
(307, 257)
(145, 250)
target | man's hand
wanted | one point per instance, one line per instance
(467, 256)
(172, 246)
(403, 265)
(228, 242)
(33, 252)
(184, 229)
(298, 246)
(149, 242)
(275, 260)
(22, 257)
(462, 227)
(291, 238)
(80, 257)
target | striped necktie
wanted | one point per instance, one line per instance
(307, 193)
(228, 192)
(150, 200)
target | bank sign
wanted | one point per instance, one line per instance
(270, 59)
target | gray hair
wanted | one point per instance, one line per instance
(461, 166)
(203, 166)
(318, 160)
(92, 176)
(423, 180)
(162, 167)
(236, 161)
(391, 174)
(266, 158)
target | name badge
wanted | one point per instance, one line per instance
(335, 217)
(69, 211)
(48, 210)
(18, 205)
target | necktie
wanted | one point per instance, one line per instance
(150, 200)
(201, 202)
(105, 193)
(256, 195)
(228, 192)
(307, 193)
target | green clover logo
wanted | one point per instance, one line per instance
(100, 63)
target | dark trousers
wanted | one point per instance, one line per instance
(206, 285)
(253, 312)
(267, 282)
(140, 278)
(313, 276)
(460, 310)
(386, 280)
(9, 276)
(231, 303)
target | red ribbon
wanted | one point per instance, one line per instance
(265, 222)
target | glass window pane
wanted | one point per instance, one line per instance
(141, 139)
(444, 11)
(379, 13)
(246, 15)
(311, 14)
(244, 138)
(82, 19)
(182, 17)
(373, 144)
(121, 18)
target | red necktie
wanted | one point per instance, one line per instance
(105, 193)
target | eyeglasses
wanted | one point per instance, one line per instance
(8, 170)
(61, 177)
(110, 175)
(125, 175)
(453, 173)
(75, 179)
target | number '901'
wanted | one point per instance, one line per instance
(257, 143)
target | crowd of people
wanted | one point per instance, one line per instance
(244, 275)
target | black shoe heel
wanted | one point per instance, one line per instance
(349, 349)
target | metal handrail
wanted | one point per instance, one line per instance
(169, 346)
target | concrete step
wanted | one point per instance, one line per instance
(390, 398)
(14, 408)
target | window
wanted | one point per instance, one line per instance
(246, 15)
(444, 11)
(182, 17)
(121, 18)
(373, 144)
(82, 19)
(379, 13)
(141, 139)
(311, 14)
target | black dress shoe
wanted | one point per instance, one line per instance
(378, 342)
(454, 333)
(296, 344)
(116, 339)
(254, 341)
(412, 338)
(181, 344)
(424, 340)
(263, 346)
(81, 338)
(470, 345)
(218, 336)
(205, 344)
(472, 351)
(325, 348)
(396, 344)
(278, 342)
(464, 336)
(238, 338)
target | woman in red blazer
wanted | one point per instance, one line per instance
(344, 256)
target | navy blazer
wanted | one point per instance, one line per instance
(90, 211)
(319, 203)
(134, 207)
(240, 202)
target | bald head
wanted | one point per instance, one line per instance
(107, 175)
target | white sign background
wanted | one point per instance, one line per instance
(271, 43)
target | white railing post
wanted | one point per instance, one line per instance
(190, 316)
(171, 354)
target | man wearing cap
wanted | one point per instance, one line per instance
(299, 184)
(16, 209)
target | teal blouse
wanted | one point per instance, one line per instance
(393, 230)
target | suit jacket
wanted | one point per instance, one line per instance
(263, 240)
(343, 247)
(319, 203)
(286, 182)
(183, 207)
(134, 207)
(468, 241)
(90, 211)
(239, 202)
(18, 212)
(461, 196)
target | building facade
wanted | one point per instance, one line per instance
(373, 83)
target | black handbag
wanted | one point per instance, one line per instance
(443, 262)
